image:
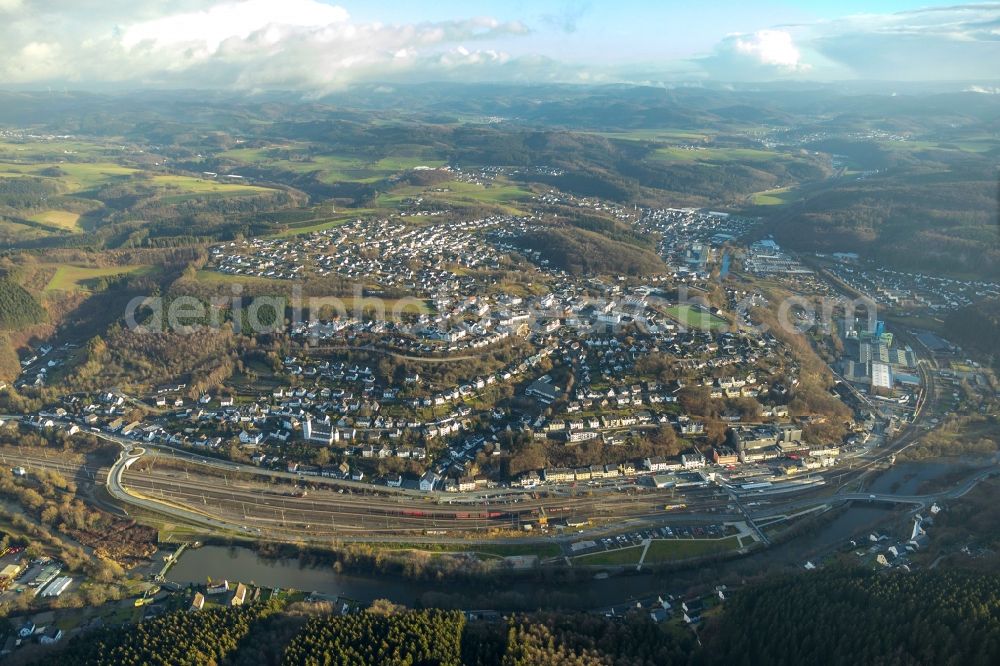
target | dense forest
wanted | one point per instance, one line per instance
(977, 327)
(390, 636)
(25, 192)
(175, 639)
(851, 617)
(18, 308)
(148, 359)
(583, 252)
(935, 212)
(561, 639)
(415, 637)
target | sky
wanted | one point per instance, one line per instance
(319, 46)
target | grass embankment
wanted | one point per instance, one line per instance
(661, 551)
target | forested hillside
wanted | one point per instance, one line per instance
(936, 214)
(176, 639)
(977, 327)
(583, 252)
(415, 637)
(18, 308)
(862, 618)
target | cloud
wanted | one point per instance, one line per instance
(764, 54)
(940, 43)
(245, 44)
(317, 47)
(770, 47)
(231, 20)
(960, 42)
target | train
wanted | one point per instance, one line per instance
(456, 515)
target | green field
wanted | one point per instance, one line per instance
(471, 192)
(16, 231)
(329, 168)
(178, 189)
(72, 278)
(77, 177)
(214, 277)
(58, 150)
(714, 155)
(622, 556)
(667, 550)
(458, 193)
(311, 226)
(84, 176)
(971, 144)
(406, 162)
(775, 197)
(87, 176)
(692, 317)
(660, 551)
(59, 219)
(664, 135)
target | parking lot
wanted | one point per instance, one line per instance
(636, 538)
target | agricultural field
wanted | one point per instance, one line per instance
(75, 176)
(58, 152)
(59, 219)
(322, 224)
(84, 176)
(78, 177)
(329, 168)
(968, 144)
(458, 193)
(11, 231)
(776, 197)
(662, 135)
(178, 189)
(69, 277)
(497, 193)
(713, 155)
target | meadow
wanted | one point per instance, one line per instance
(776, 197)
(178, 189)
(693, 317)
(713, 155)
(332, 168)
(322, 224)
(70, 277)
(59, 219)
(499, 193)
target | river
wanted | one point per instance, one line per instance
(242, 564)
